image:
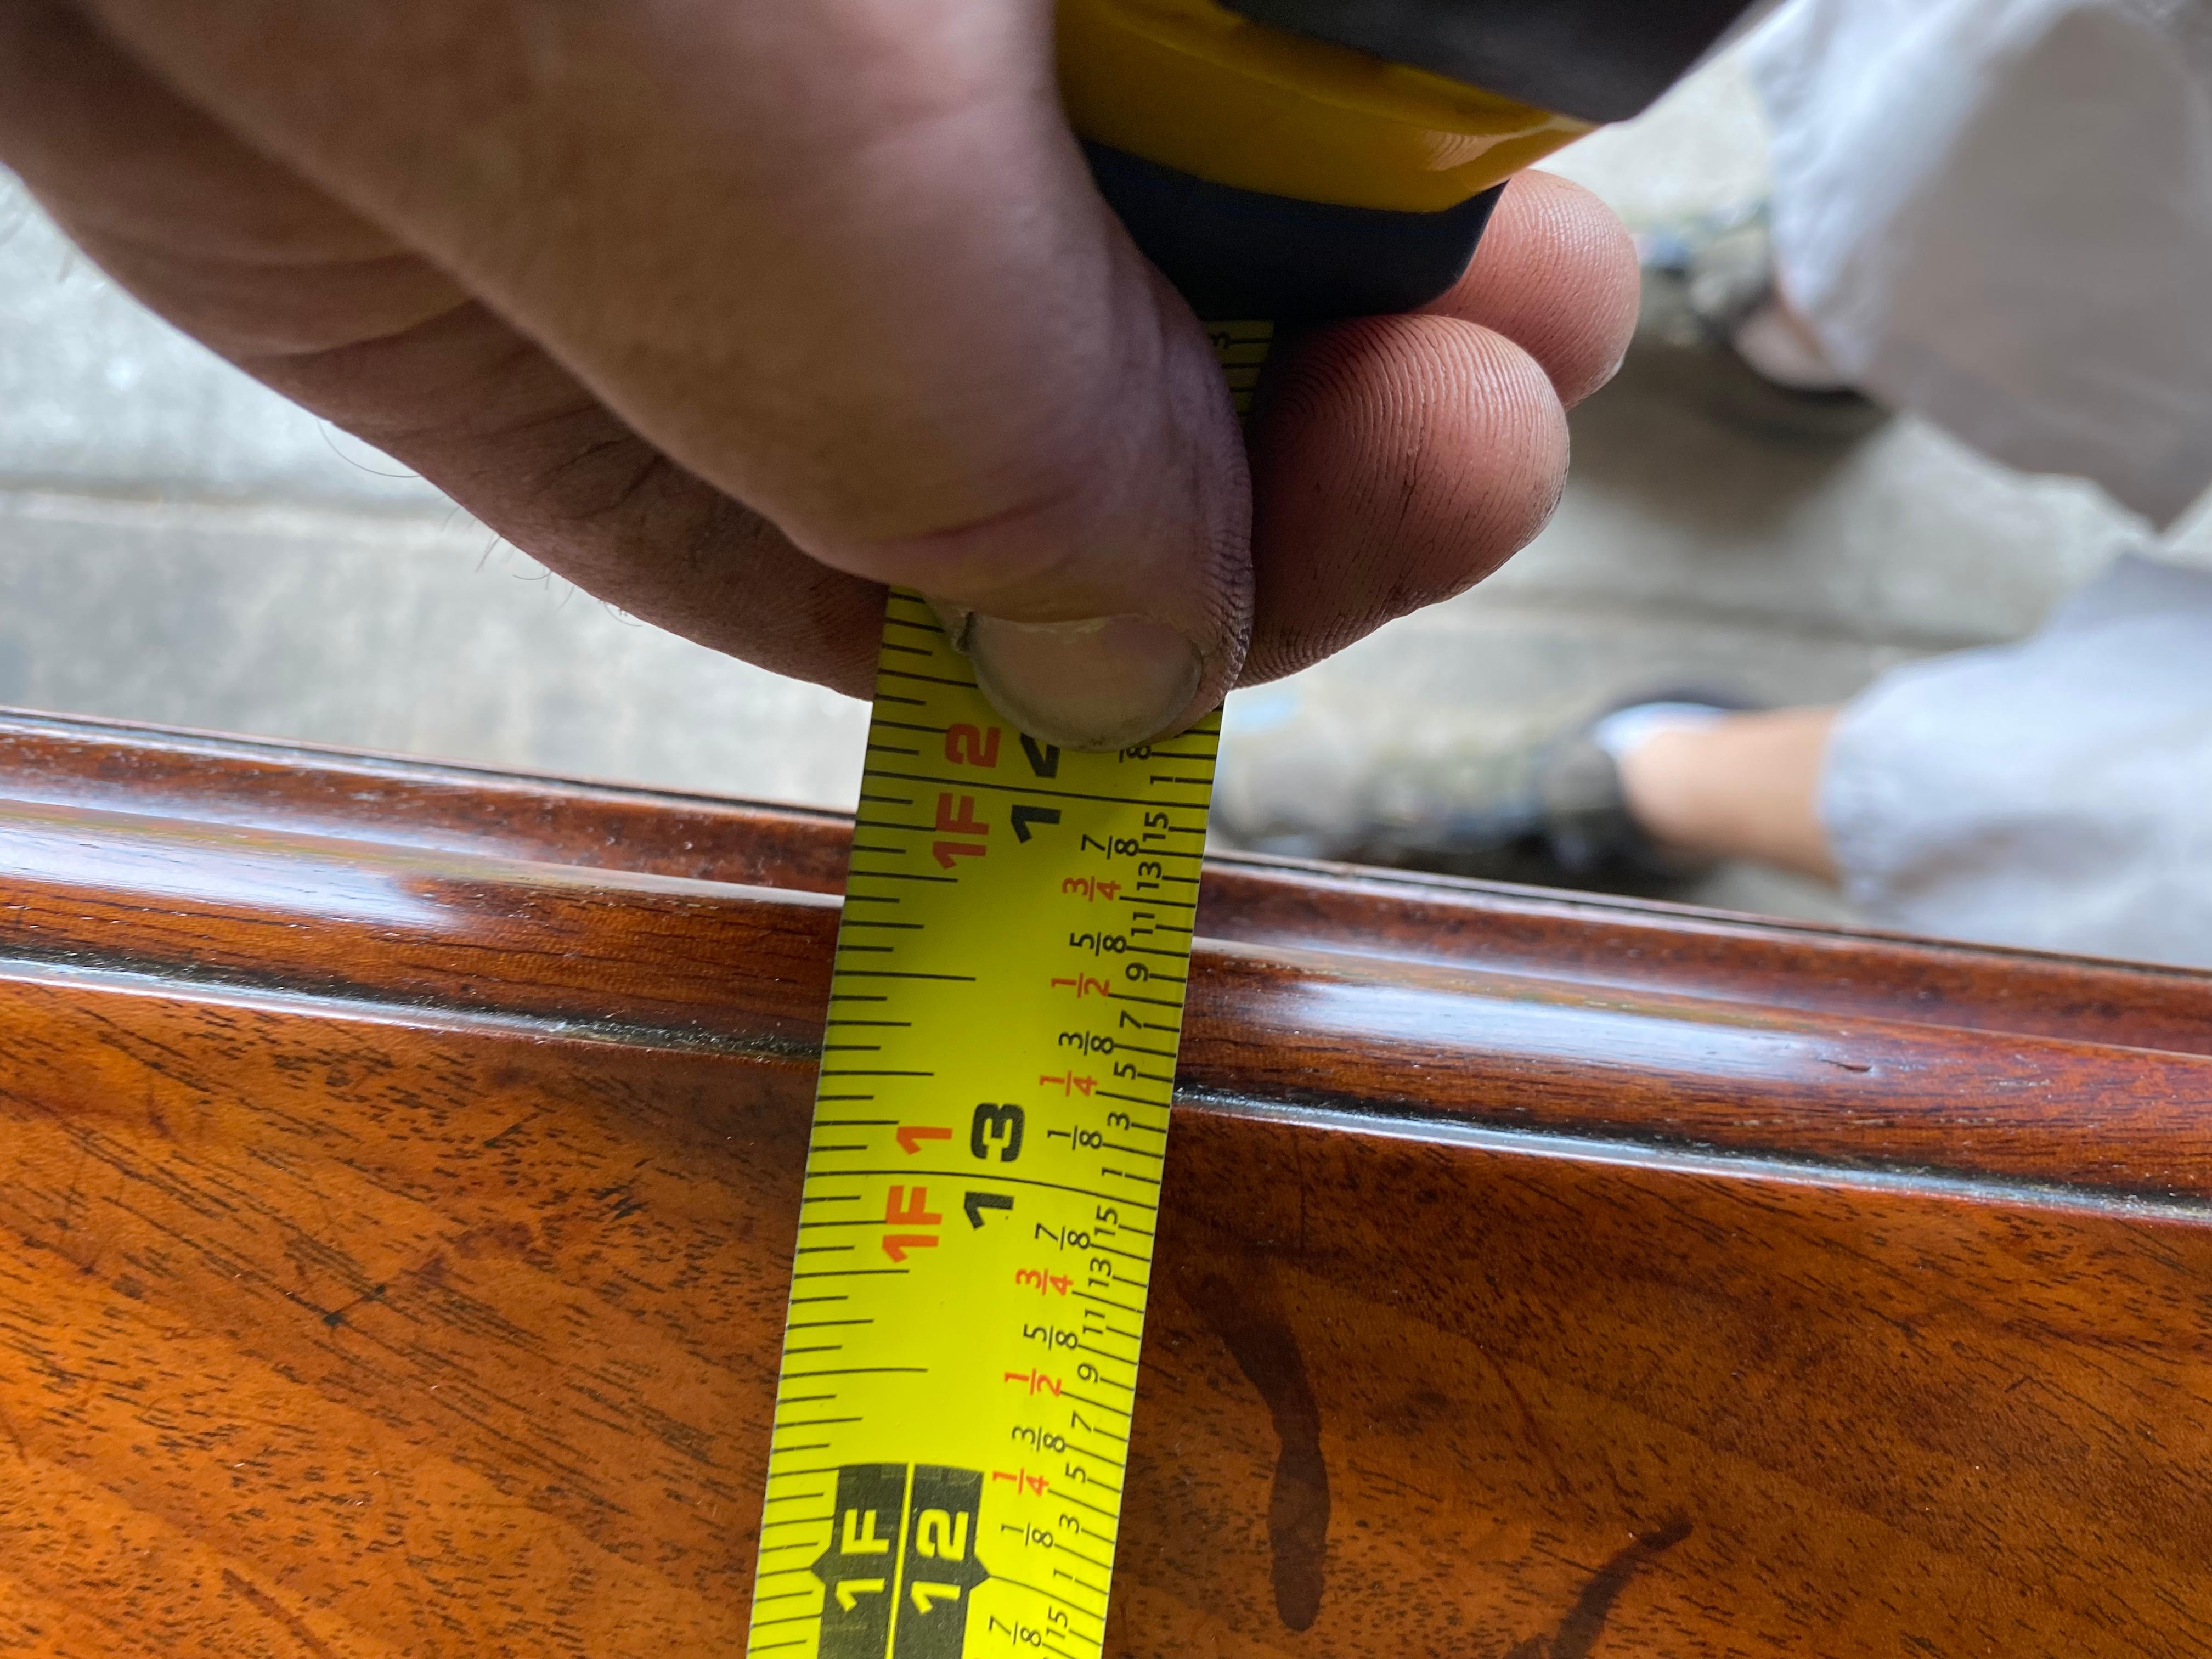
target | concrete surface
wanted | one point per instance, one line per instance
(178, 545)
(391, 631)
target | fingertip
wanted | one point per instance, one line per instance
(1397, 462)
(1556, 273)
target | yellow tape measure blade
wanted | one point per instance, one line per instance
(975, 1242)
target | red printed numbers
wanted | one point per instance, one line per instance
(957, 820)
(908, 1208)
(968, 746)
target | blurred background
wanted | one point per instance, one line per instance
(178, 546)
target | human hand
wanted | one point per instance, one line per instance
(730, 314)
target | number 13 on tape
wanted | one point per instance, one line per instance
(982, 1187)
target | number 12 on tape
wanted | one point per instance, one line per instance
(974, 1246)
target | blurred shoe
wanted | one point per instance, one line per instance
(1548, 812)
(1712, 324)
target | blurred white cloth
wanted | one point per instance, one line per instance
(1997, 213)
(2056, 793)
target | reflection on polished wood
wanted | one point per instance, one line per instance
(398, 1167)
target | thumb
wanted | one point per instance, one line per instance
(841, 260)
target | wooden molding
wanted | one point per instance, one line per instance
(400, 1166)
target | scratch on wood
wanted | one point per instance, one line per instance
(1577, 1636)
(270, 1608)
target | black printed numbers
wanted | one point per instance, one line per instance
(996, 1127)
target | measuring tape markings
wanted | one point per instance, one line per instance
(976, 1241)
(960, 1356)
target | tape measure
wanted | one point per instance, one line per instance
(967, 1298)
(959, 1370)
(982, 1186)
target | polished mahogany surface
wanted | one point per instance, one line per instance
(398, 1165)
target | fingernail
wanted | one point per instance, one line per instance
(1103, 683)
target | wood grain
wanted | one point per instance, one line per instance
(399, 1164)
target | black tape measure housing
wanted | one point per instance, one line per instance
(1597, 60)
(1242, 253)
